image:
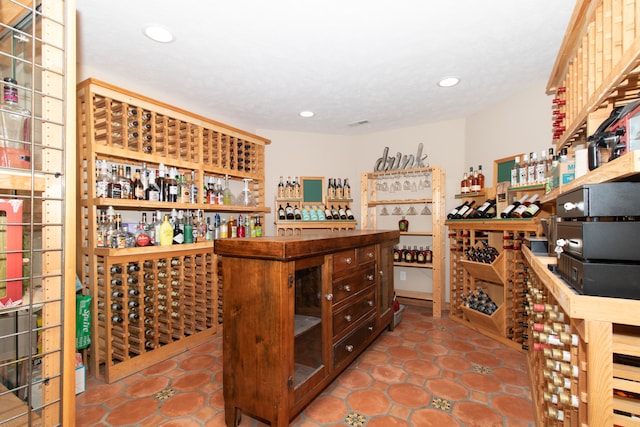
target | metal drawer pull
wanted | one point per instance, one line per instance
(347, 317)
(329, 297)
(370, 277)
(370, 328)
(347, 288)
(347, 260)
(349, 348)
(370, 303)
(370, 254)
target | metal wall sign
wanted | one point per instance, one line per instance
(400, 161)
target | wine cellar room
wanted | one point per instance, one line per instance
(209, 223)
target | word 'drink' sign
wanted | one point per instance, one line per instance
(400, 161)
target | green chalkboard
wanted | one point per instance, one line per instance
(502, 168)
(312, 189)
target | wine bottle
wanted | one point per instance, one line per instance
(297, 215)
(517, 212)
(342, 213)
(464, 209)
(532, 209)
(289, 212)
(349, 213)
(327, 213)
(484, 208)
(507, 211)
(455, 211)
(334, 213)
(281, 214)
(480, 178)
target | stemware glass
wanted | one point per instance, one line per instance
(425, 210)
(397, 211)
(384, 211)
(412, 211)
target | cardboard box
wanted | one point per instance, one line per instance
(564, 173)
(80, 379)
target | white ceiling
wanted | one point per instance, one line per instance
(259, 63)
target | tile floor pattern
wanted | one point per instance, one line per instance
(427, 372)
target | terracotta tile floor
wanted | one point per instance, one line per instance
(428, 372)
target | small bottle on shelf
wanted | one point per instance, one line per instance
(515, 174)
(464, 184)
(403, 224)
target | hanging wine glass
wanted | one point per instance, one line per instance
(406, 186)
(425, 210)
(384, 211)
(412, 211)
(397, 211)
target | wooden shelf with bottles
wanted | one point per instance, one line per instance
(313, 201)
(597, 69)
(427, 210)
(500, 279)
(122, 127)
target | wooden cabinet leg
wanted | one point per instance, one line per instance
(232, 416)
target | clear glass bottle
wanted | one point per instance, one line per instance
(153, 191)
(515, 172)
(184, 189)
(15, 129)
(103, 179)
(226, 193)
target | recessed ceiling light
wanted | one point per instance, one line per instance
(307, 113)
(449, 81)
(158, 34)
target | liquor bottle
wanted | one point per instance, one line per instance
(420, 256)
(114, 189)
(226, 192)
(141, 233)
(347, 189)
(306, 213)
(258, 226)
(342, 213)
(397, 254)
(350, 215)
(321, 214)
(171, 187)
(125, 182)
(161, 182)
(280, 188)
(522, 170)
(281, 214)
(403, 225)
(137, 191)
(475, 182)
(241, 228)
(339, 191)
(408, 255)
(15, 129)
(334, 213)
(331, 189)
(296, 213)
(297, 190)
(531, 168)
(541, 167)
(232, 227)
(188, 229)
(210, 197)
(470, 179)
(428, 255)
(166, 232)
(480, 178)
(464, 184)
(533, 208)
(506, 213)
(454, 212)
(313, 214)
(103, 178)
(152, 193)
(193, 193)
(184, 189)
(515, 172)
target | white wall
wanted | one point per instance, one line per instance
(517, 125)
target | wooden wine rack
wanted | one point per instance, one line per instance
(558, 375)
(502, 280)
(135, 330)
(597, 65)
